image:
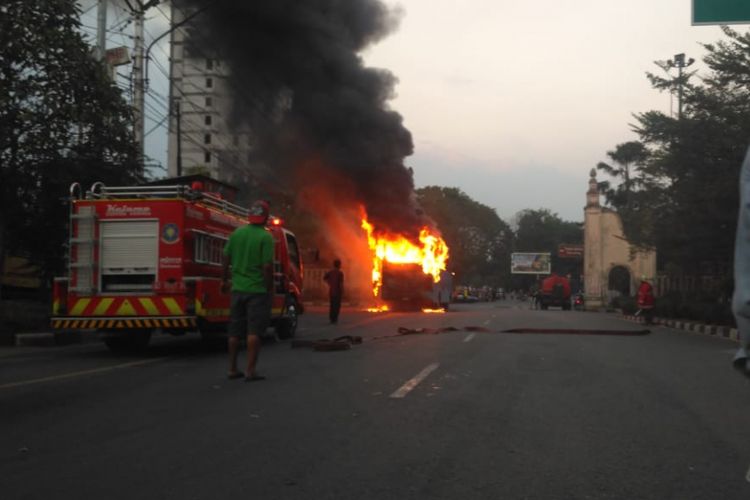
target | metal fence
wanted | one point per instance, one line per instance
(708, 284)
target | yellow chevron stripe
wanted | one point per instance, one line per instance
(138, 323)
(102, 307)
(149, 306)
(126, 309)
(79, 306)
(110, 323)
(199, 307)
(184, 322)
(172, 305)
(56, 307)
(148, 323)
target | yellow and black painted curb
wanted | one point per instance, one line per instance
(119, 323)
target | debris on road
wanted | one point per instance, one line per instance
(338, 344)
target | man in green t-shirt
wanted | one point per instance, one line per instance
(249, 254)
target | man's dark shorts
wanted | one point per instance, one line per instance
(250, 314)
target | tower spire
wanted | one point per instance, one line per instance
(592, 195)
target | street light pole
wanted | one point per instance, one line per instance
(679, 63)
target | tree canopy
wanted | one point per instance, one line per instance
(62, 119)
(684, 196)
(541, 230)
(479, 240)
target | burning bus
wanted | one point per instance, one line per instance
(409, 275)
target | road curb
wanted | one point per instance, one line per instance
(688, 326)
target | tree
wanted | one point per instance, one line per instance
(625, 156)
(61, 120)
(685, 201)
(543, 231)
(479, 240)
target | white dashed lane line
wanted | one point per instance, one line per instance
(469, 337)
(414, 381)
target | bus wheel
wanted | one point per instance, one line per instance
(287, 325)
(128, 341)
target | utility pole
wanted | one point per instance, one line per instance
(138, 90)
(679, 63)
(101, 30)
(138, 10)
(179, 137)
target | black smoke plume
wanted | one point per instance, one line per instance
(298, 81)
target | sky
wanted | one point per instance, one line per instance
(511, 101)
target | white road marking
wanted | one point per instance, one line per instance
(486, 323)
(80, 374)
(469, 337)
(747, 476)
(413, 382)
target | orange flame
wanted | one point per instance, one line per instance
(378, 309)
(434, 311)
(432, 255)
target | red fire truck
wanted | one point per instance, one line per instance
(147, 258)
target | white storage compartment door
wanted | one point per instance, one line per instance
(129, 246)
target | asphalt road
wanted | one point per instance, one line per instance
(457, 415)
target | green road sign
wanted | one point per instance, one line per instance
(721, 12)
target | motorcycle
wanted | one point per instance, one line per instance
(578, 302)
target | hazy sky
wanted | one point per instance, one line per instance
(513, 101)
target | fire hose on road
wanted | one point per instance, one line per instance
(345, 342)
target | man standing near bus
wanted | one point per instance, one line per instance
(335, 280)
(248, 257)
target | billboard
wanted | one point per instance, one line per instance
(570, 251)
(530, 263)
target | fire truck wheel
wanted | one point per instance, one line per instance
(287, 326)
(128, 342)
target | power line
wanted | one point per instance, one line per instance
(160, 124)
(163, 14)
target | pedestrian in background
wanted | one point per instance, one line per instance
(335, 280)
(741, 299)
(248, 258)
(646, 300)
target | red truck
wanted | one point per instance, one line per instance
(148, 258)
(555, 291)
